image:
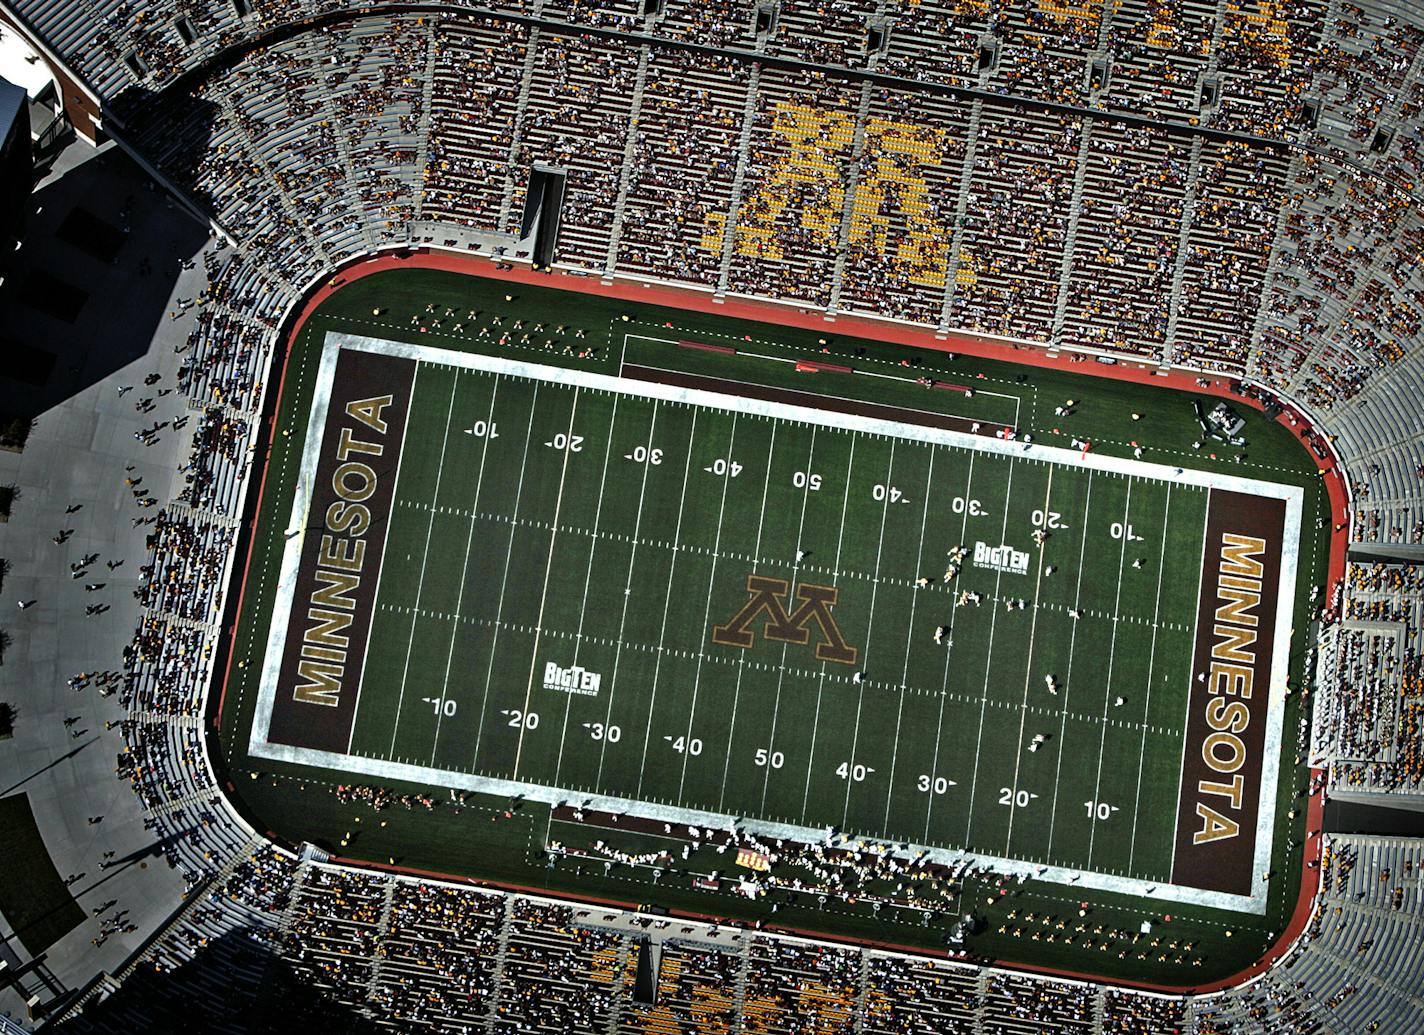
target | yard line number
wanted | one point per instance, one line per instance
(722, 466)
(934, 784)
(1009, 796)
(644, 455)
(774, 759)
(519, 720)
(853, 771)
(1100, 809)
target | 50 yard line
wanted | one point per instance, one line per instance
(742, 661)
(821, 683)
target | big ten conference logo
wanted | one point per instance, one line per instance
(1001, 558)
(767, 596)
(572, 680)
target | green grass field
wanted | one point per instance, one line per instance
(546, 525)
(527, 505)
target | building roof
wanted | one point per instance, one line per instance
(13, 108)
(21, 65)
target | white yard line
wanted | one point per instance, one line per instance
(909, 640)
(504, 580)
(1107, 683)
(821, 682)
(1151, 672)
(1028, 673)
(587, 578)
(464, 570)
(988, 662)
(667, 604)
(1187, 710)
(627, 594)
(742, 661)
(707, 612)
(1068, 676)
(548, 570)
(869, 625)
(795, 579)
(380, 571)
(948, 653)
(425, 556)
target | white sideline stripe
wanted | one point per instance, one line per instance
(561, 377)
(404, 771)
(570, 377)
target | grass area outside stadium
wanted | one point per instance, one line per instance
(433, 840)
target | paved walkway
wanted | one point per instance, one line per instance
(79, 454)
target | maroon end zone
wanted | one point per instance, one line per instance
(345, 533)
(1227, 710)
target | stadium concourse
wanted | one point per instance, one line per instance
(1226, 189)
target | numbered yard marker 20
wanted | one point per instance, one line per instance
(584, 704)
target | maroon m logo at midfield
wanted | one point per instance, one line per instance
(814, 604)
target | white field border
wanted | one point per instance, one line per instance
(259, 745)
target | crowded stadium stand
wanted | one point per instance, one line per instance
(1226, 187)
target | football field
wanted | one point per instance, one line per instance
(699, 600)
